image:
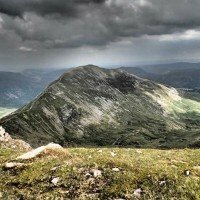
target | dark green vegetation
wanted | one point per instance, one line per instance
(158, 174)
(95, 106)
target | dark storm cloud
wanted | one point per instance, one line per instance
(43, 7)
(31, 26)
(75, 23)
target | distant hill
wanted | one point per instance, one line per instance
(178, 75)
(165, 68)
(94, 106)
(17, 89)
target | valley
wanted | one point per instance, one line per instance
(6, 111)
(19, 88)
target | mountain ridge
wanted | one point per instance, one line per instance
(95, 106)
(184, 77)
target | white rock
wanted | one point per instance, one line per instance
(96, 172)
(119, 199)
(2, 131)
(4, 137)
(137, 193)
(87, 175)
(34, 153)
(54, 168)
(174, 166)
(161, 183)
(7, 141)
(113, 154)
(187, 172)
(115, 169)
(55, 180)
(100, 151)
(139, 151)
(10, 165)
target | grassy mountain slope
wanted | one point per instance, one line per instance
(94, 106)
(155, 174)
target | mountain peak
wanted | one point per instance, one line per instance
(89, 68)
(97, 106)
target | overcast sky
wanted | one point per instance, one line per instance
(66, 33)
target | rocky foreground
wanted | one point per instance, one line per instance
(52, 172)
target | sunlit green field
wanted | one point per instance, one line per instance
(124, 173)
(6, 111)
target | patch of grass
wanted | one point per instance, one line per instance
(185, 106)
(160, 174)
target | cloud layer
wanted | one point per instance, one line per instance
(61, 24)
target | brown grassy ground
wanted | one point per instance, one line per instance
(141, 173)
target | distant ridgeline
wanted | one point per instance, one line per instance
(178, 75)
(18, 89)
(93, 106)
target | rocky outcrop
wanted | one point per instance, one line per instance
(52, 147)
(4, 137)
(51, 150)
(6, 141)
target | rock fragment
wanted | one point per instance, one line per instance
(96, 173)
(137, 193)
(6, 141)
(113, 154)
(34, 153)
(186, 172)
(55, 181)
(115, 169)
(11, 165)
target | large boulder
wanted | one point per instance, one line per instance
(51, 148)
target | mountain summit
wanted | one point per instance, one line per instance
(94, 106)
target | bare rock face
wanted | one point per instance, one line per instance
(4, 137)
(52, 147)
(6, 141)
